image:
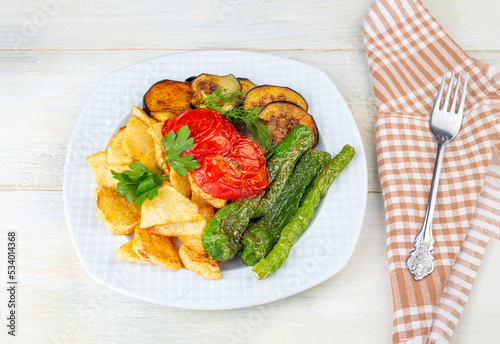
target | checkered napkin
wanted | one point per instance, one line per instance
(407, 52)
(485, 224)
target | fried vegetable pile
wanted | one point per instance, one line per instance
(179, 211)
(146, 190)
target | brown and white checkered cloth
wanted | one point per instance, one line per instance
(407, 52)
(485, 224)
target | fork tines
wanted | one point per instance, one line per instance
(452, 107)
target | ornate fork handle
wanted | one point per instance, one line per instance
(421, 262)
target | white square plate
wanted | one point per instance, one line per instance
(321, 252)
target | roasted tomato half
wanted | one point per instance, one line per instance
(213, 134)
(237, 174)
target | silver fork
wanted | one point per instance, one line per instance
(445, 124)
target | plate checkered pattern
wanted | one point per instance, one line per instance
(407, 52)
(321, 252)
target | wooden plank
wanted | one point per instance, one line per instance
(223, 24)
(352, 307)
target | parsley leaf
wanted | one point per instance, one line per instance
(139, 182)
(238, 115)
(174, 145)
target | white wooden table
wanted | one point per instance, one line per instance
(52, 55)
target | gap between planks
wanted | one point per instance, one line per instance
(236, 49)
(10, 188)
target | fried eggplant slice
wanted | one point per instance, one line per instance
(168, 95)
(246, 85)
(207, 83)
(260, 96)
(282, 117)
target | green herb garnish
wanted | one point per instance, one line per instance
(174, 145)
(139, 182)
(238, 115)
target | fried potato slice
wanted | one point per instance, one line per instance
(200, 202)
(162, 116)
(126, 253)
(169, 206)
(116, 152)
(207, 211)
(143, 116)
(190, 228)
(181, 184)
(158, 249)
(155, 133)
(215, 202)
(193, 243)
(117, 215)
(136, 141)
(149, 160)
(98, 163)
(200, 264)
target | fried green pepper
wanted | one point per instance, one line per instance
(298, 224)
(262, 235)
